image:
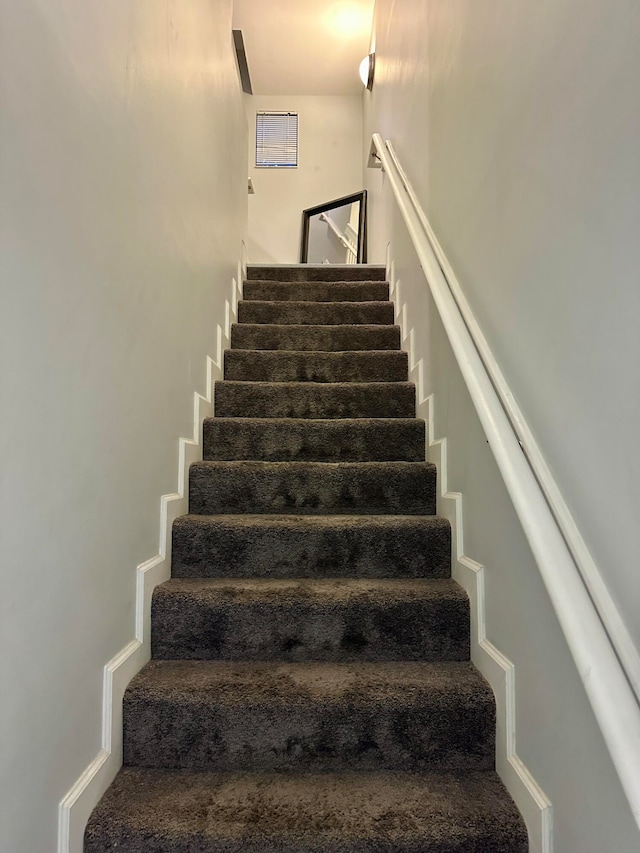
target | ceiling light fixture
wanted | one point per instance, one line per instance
(367, 69)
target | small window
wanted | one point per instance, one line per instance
(277, 140)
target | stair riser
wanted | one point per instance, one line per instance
(311, 400)
(191, 628)
(309, 488)
(316, 291)
(288, 548)
(316, 272)
(291, 440)
(266, 366)
(412, 734)
(189, 812)
(316, 313)
(316, 338)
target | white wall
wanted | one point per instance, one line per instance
(518, 126)
(330, 165)
(123, 205)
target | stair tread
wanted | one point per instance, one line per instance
(261, 716)
(282, 439)
(303, 303)
(259, 465)
(317, 488)
(325, 422)
(296, 312)
(316, 291)
(284, 519)
(401, 683)
(176, 811)
(310, 619)
(313, 281)
(324, 387)
(281, 592)
(330, 327)
(318, 400)
(316, 337)
(284, 545)
(316, 366)
(327, 354)
(316, 272)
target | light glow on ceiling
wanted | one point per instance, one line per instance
(349, 19)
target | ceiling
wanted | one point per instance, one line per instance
(304, 47)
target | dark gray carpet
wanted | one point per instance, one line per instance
(164, 811)
(316, 291)
(313, 440)
(328, 338)
(346, 619)
(289, 366)
(309, 717)
(316, 272)
(316, 488)
(316, 313)
(306, 546)
(310, 689)
(316, 400)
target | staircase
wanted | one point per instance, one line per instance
(310, 689)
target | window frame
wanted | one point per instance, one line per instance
(288, 141)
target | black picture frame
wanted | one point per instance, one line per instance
(331, 205)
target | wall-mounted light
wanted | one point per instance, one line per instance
(367, 70)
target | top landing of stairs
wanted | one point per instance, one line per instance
(316, 272)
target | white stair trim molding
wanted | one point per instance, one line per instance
(499, 671)
(532, 802)
(75, 808)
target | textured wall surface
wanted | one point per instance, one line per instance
(518, 126)
(123, 171)
(329, 166)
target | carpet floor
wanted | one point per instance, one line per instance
(310, 689)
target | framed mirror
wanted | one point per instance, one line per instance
(335, 232)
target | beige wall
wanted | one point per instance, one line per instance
(123, 205)
(330, 165)
(518, 125)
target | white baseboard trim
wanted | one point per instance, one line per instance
(498, 670)
(76, 807)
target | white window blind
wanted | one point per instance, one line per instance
(277, 139)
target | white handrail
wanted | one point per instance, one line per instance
(324, 217)
(609, 613)
(610, 693)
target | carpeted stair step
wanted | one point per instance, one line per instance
(316, 313)
(346, 619)
(316, 291)
(283, 366)
(318, 338)
(298, 546)
(316, 272)
(315, 399)
(379, 812)
(312, 717)
(312, 440)
(310, 689)
(316, 488)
